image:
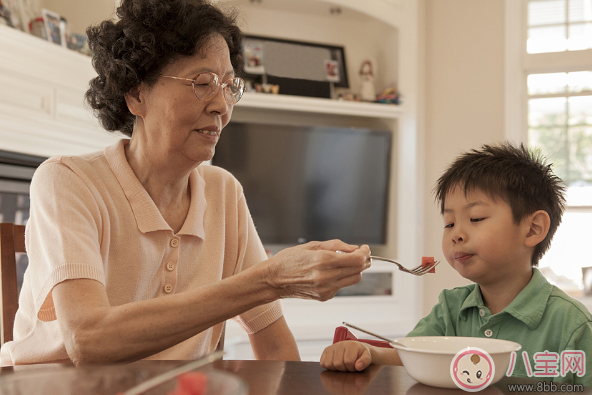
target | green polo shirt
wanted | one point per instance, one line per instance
(541, 318)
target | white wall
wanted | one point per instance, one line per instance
(81, 13)
(464, 105)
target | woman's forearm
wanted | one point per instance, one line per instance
(96, 332)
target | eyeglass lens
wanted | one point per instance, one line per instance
(206, 85)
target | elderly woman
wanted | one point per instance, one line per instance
(142, 251)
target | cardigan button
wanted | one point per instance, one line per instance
(488, 333)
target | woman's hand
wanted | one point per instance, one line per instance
(315, 270)
(347, 356)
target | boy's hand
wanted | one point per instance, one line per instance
(347, 356)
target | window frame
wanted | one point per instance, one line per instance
(518, 64)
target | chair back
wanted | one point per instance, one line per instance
(12, 241)
(220, 346)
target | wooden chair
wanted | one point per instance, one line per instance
(220, 346)
(12, 241)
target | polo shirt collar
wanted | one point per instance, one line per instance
(474, 299)
(528, 307)
(147, 215)
(194, 223)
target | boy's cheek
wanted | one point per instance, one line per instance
(445, 249)
(449, 255)
(451, 262)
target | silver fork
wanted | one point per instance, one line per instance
(418, 271)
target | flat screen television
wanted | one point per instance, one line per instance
(306, 183)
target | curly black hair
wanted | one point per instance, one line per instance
(149, 35)
(520, 177)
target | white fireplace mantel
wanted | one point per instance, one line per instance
(42, 109)
(42, 87)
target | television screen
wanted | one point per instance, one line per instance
(310, 183)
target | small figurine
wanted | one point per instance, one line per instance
(389, 95)
(367, 92)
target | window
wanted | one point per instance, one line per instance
(558, 119)
(559, 25)
(560, 124)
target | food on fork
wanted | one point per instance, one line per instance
(428, 261)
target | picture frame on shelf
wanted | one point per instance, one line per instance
(79, 43)
(37, 28)
(300, 68)
(332, 70)
(253, 52)
(55, 27)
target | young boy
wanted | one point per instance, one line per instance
(501, 207)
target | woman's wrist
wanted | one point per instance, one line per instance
(260, 276)
(282, 276)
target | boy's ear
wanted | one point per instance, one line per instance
(538, 223)
(135, 101)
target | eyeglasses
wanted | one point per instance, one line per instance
(206, 85)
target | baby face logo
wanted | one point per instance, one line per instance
(472, 369)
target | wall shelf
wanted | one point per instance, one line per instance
(318, 105)
(42, 110)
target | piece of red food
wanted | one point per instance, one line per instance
(428, 261)
(193, 383)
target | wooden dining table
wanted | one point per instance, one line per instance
(309, 378)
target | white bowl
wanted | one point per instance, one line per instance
(427, 358)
